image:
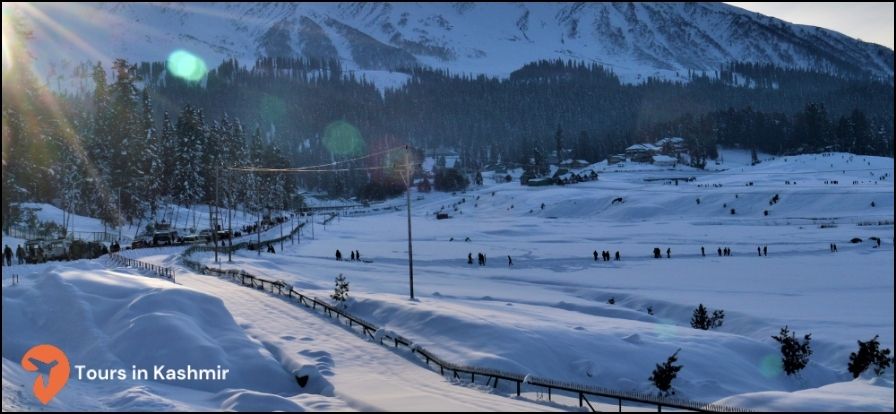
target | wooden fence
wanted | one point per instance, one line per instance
(368, 329)
(162, 271)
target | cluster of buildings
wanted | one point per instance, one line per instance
(664, 153)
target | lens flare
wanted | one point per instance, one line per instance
(186, 66)
(342, 138)
(771, 366)
(666, 328)
(272, 108)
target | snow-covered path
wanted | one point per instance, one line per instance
(364, 374)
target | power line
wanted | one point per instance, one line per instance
(303, 170)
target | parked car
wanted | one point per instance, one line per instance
(194, 238)
(223, 234)
(206, 234)
(168, 237)
(31, 251)
(142, 240)
(57, 249)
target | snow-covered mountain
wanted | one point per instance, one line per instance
(635, 40)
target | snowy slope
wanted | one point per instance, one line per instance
(636, 40)
(548, 314)
(109, 319)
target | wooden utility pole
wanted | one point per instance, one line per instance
(214, 225)
(407, 162)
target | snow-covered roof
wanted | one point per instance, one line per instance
(642, 147)
(670, 140)
(663, 159)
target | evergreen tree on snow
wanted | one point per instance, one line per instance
(188, 181)
(702, 320)
(794, 353)
(252, 184)
(126, 139)
(340, 292)
(869, 354)
(168, 146)
(97, 143)
(558, 142)
(664, 373)
(152, 163)
(71, 185)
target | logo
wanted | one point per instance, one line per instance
(47, 357)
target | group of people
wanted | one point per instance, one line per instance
(657, 253)
(834, 247)
(20, 255)
(482, 259)
(355, 255)
(762, 251)
(605, 255)
(114, 247)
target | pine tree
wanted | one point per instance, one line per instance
(558, 142)
(151, 167)
(702, 320)
(125, 139)
(168, 146)
(663, 375)
(98, 141)
(188, 180)
(340, 293)
(794, 353)
(869, 353)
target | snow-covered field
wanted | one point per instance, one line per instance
(547, 314)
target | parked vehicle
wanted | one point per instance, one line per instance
(34, 251)
(206, 234)
(168, 237)
(142, 240)
(57, 250)
(81, 249)
(223, 234)
(194, 238)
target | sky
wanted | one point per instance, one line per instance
(871, 22)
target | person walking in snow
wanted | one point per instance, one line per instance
(509, 261)
(358, 255)
(702, 251)
(669, 253)
(270, 248)
(720, 252)
(338, 255)
(759, 251)
(470, 258)
(657, 253)
(481, 260)
(595, 255)
(353, 255)
(20, 254)
(765, 250)
(7, 253)
(618, 257)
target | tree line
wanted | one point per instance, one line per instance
(147, 137)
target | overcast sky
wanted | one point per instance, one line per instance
(871, 22)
